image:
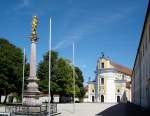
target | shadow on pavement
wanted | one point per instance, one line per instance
(125, 109)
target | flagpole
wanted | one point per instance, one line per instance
(73, 78)
(49, 63)
(23, 73)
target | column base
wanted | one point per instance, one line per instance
(31, 102)
(32, 94)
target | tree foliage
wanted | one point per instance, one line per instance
(79, 82)
(61, 76)
(10, 68)
(43, 72)
(11, 62)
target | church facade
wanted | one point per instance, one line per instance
(112, 83)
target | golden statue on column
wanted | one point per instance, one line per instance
(34, 28)
(32, 93)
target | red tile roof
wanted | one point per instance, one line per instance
(86, 88)
(121, 68)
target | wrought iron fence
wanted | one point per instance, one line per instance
(42, 110)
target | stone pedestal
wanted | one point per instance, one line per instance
(31, 95)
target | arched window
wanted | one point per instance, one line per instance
(102, 81)
(102, 98)
(93, 91)
(102, 65)
(93, 98)
(118, 90)
(118, 98)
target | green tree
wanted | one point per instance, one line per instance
(65, 78)
(10, 68)
(79, 82)
(43, 73)
(61, 75)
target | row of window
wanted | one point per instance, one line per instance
(142, 65)
(146, 41)
(102, 98)
(102, 80)
(143, 68)
(144, 46)
(146, 67)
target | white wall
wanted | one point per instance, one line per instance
(110, 90)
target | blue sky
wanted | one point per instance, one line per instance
(110, 26)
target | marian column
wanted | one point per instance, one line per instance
(31, 95)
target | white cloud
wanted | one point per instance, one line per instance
(60, 44)
(79, 32)
(87, 24)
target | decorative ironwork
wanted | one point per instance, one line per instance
(19, 109)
